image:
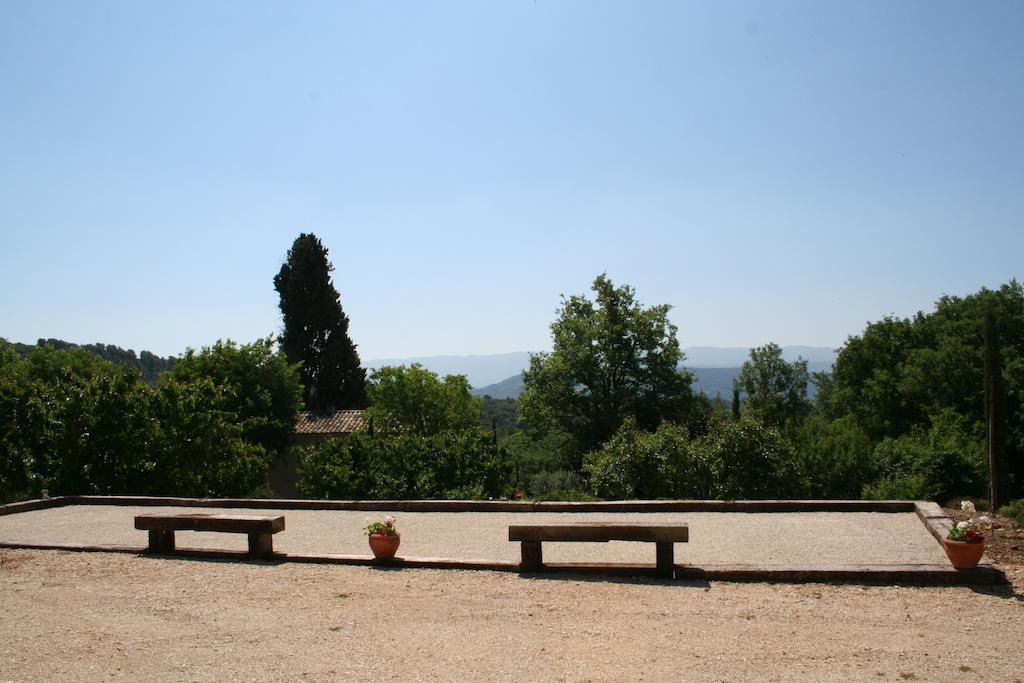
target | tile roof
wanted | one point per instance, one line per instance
(329, 421)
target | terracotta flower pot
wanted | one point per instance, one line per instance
(963, 555)
(384, 547)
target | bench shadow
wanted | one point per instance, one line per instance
(1001, 591)
(615, 578)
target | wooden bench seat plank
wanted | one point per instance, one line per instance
(600, 532)
(241, 524)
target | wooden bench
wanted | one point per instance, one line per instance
(261, 529)
(664, 537)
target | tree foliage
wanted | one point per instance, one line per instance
(900, 377)
(659, 464)
(151, 365)
(776, 390)
(199, 447)
(751, 461)
(734, 459)
(414, 400)
(611, 359)
(81, 427)
(74, 423)
(316, 329)
(255, 384)
(500, 414)
(464, 464)
(836, 457)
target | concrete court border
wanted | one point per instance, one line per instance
(930, 514)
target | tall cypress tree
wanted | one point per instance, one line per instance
(316, 329)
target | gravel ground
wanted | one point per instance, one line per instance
(715, 538)
(101, 616)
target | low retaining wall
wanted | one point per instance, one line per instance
(484, 505)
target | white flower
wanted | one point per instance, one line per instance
(967, 506)
(963, 525)
(389, 520)
(984, 520)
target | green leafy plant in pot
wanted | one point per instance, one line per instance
(965, 542)
(384, 538)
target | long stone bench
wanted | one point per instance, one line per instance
(260, 529)
(664, 536)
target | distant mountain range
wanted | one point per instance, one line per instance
(712, 381)
(480, 370)
(500, 375)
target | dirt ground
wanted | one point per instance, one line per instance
(97, 616)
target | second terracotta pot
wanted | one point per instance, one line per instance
(963, 555)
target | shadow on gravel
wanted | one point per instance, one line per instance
(217, 556)
(1007, 592)
(611, 578)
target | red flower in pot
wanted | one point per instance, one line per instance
(384, 538)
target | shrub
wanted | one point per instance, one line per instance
(932, 464)
(567, 496)
(549, 483)
(750, 461)
(638, 464)
(1014, 510)
(257, 386)
(74, 423)
(325, 470)
(464, 464)
(835, 457)
(906, 487)
(83, 426)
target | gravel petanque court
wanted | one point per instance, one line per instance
(715, 537)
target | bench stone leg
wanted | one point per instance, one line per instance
(261, 545)
(666, 560)
(533, 557)
(161, 541)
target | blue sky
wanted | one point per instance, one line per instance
(775, 171)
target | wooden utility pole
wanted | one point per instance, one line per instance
(993, 387)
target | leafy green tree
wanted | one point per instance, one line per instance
(835, 456)
(16, 456)
(867, 382)
(316, 329)
(200, 447)
(463, 464)
(82, 424)
(500, 414)
(74, 423)
(536, 464)
(150, 364)
(255, 384)
(611, 359)
(776, 390)
(933, 462)
(660, 464)
(751, 461)
(413, 400)
(900, 373)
